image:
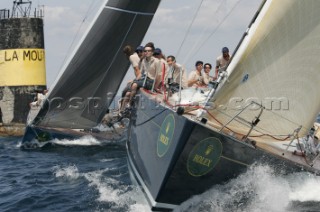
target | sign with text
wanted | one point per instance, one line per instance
(21, 67)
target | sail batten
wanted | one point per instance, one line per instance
(276, 66)
(128, 11)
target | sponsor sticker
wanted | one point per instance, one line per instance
(204, 156)
(165, 135)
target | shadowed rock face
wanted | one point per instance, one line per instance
(0, 115)
(12, 129)
(18, 33)
(14, 106)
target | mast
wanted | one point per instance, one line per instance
(249, 26)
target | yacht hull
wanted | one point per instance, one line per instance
(174, 158)
(36, 136)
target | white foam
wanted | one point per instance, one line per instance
(87, 140)
(70, 172)
(257, 190)
(140, 207)
(306, 189)
(111, 190)
(107, 160)
(105, 190)
(19, 144)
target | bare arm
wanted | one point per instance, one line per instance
(158, 75)
(206, 78)
(192, 79)
(137, 72)
(191, 82)
(184, 78)
(216, 73)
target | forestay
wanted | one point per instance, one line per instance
(277, 65)
(91, 78)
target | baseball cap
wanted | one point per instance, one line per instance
(139, 49)
(199, 62)
(157, 51)
(225, 50)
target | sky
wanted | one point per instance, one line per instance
(191, 30)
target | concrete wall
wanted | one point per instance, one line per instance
(19, 33)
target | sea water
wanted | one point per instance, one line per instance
(90, 175)
(80, 175)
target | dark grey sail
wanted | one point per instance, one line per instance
(92, 77)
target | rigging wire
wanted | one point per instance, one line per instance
(203, 32)
(71, 45)
(189, 28)
(77, 33)
(152, 117)
(112, 62)
(262, 134)
(192, 52)
(218, 26)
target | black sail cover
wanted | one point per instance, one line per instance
(90, 80)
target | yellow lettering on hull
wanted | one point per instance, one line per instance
(21, 67)
(202, 160)
(164, 139)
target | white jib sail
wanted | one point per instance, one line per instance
(277, 66)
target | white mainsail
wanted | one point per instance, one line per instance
(277, 65)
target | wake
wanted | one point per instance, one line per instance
(258, 190)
